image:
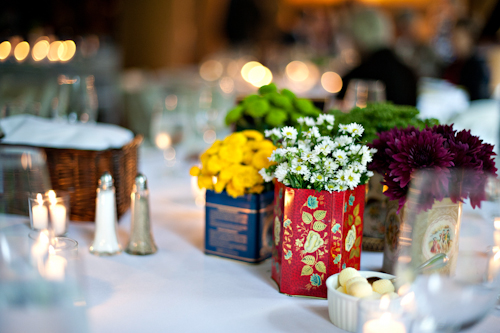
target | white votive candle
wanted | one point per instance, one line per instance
(384, 324)
(55, 267)
(58, 215)
(39, 214)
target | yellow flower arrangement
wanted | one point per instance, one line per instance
(233, 164)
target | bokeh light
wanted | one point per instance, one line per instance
(211, 70)
(163, 140)
(297, 71)
(5, 48)
(66, 50)
(226, 84)
(21, 51)
(171, 102)
(245, 70)
(54, 50)
(259, 76)
(40, 50)
(331, 82)
(209, 136)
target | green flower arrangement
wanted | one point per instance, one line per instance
(270, 109)
(381, 117)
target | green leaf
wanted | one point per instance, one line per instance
(309, 260)
(350, 220)
(320, 267)
(352, 254)
(307, 218)
(319, 226)
(319, 214)
(357, 221)
(358, 240)
(306, 270)
(356, 210)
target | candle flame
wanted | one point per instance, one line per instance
(52, 251)
(43, 238)
(52, 197)
(39, 198)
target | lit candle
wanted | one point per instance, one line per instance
(58, 215)
(55, 266)
(39, 214)
(39, 250)
(384, 324)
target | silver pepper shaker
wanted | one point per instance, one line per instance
(105, 239)
(141, 240)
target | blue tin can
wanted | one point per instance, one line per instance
(239, 228)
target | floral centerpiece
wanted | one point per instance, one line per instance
(376, 118)
(400, 152)
(455, 165)
(238, 200)
(233, 165)
(270, 108)
(319, 202)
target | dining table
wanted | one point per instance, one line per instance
(180, 288)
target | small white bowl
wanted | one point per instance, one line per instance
(343, 308)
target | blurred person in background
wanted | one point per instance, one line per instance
(373, 35)
(413, 44)
(469, 69)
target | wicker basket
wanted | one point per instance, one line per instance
(78, 172)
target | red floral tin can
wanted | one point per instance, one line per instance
(315, 235)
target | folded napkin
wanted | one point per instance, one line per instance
(48, 133)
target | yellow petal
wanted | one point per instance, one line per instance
(195, 171)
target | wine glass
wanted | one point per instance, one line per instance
(76, 99)
(462, 222)
(360, 92)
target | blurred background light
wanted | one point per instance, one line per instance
(40, 50)
(331, 82)
(211, 70)
(21, 51)
(5, 49)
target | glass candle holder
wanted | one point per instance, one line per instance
(49, 211)
(384, 315)
(39, 212)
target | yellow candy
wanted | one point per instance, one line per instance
(374, 295)
(341, 289)
(360, 289)
(383, 286)
(355, 279)
(347, 274)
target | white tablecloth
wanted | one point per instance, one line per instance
(180, 289)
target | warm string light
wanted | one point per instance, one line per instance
(5, 48)
(21, 51)
(62, 51)
(40, 50)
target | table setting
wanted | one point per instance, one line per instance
(262, 230)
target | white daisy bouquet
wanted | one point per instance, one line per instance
(314, 158)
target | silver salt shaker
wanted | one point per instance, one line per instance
(141, 240)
